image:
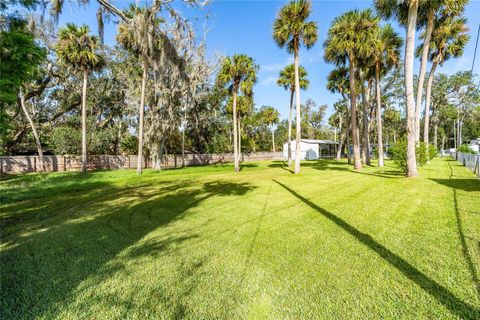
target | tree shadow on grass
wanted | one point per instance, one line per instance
(436, 290)
(332, 165)
(43, 269)
(280, 164)
(248, 165)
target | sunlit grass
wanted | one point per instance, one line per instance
(204, 242)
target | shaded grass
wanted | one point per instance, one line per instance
(205, 242)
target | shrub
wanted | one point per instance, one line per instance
(432, 152)
(465, 149)
(399, 154)
(421, 153)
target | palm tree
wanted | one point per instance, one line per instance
(271, 117)
(387, 56)
(351, 39)
(138, 36)
(238, 73)
(406, 13)
(427, 12)
(449, 38)
(290, 30)
(286, 80)
(338, 81)
(80, 50)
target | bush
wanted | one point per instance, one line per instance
(465, 149)
(432, 152)
(399, 154)
(421, 153)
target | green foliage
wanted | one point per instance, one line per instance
(421, 153)
(464, 148)
(129, 144)
(432, 152)
(399, 154)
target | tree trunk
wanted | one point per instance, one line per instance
(183, 147)
(290, 129)
(366, 136)
(347, 133)
(421, 76)
(379, 116)
(394, 137)
(427, 104)
(353, 118)
(435, 135)
(140, 118)
(298, 122)
(240, 155)
(273, 140)
(340, 145)
(34, 130)
(410, 99)
(84, 122)
(235, 134)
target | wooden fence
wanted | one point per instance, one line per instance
(24, 164)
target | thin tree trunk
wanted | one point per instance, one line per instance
(421, 76)
(273, 140)
(84, 122)
(340, 145)
(34, 130)
(379, 116)
(435, 135)
(366, 135)
(298, 122)
(427, 104)
(410, 99)
(353, 118)
(443, 145)
(394, 136)
(183, 147)
(235, 135)
(140, 118)
(240, 155)
(290, 129)
(347, 132)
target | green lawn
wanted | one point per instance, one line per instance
(206, 243)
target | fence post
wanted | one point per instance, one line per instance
(34, 164)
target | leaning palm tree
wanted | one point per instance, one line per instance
(351, 39)
(238, 73)
(291, 30)
(338, 81)
(387, 56)
(449, 38)
(140, 36)
(80, 50)
(427, 13)
(286, 80)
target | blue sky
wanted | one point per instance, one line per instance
(245, 27)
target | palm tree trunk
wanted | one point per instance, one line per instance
(347, 133)
(427, 103)
(435, 135)
(410, 99)
(34, 130)
(298, 122)
(273, 140)
(140, 118)
(240, 156)
(235, 134)
(366, 138)
(84, 122)
(379, 116)
(290, 129)
(340, 144)
(421, 76)
(353, 118)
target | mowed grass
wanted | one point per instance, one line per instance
(208, 243)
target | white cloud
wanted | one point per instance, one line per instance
(268, 81)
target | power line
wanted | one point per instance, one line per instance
(475, 52)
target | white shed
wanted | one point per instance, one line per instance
(312, 149)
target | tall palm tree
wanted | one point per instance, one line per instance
(271, 117)
(338, 81)
(351, 39)
(286, 80)
(238, 73)
(139, 36)
(387, 56)
(406, 13)
(80, 50)
(291, 29)
(427, 12)
(449, 38)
